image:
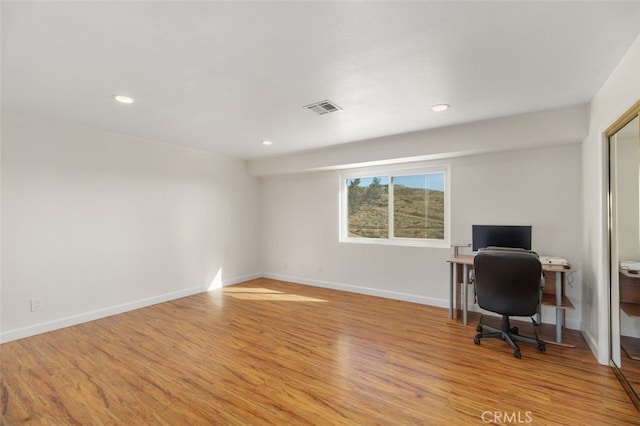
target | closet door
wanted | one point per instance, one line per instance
(624, 217)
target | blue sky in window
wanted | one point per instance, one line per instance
(433, 181)
(366, 181)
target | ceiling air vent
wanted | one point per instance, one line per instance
(323, 107)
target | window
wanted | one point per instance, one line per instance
(402, 207)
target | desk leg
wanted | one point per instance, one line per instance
(539, 314)
(559, 319)
(465, 278)
(451, 290)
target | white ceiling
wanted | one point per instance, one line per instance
(222, 76)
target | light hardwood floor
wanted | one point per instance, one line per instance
(269, 352)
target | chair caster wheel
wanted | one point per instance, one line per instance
(542, 347)
(514, 330)
(479, 328)
(476, 340)
(517, 354)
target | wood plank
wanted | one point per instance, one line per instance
(629, 286)
(296, 355)
(467, 259)
(630, 364)
(631, 309)
(631, 346)
(550, 300)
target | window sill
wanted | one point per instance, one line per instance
(403, 242)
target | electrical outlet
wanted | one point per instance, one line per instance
(37, 304)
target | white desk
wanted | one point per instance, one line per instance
(459, 267)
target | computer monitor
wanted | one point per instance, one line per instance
(500, 236)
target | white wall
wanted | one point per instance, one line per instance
(96, 223)
(537, 186)
(567, 125)
(619, 93)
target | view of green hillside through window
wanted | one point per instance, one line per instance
(417, 202)
(368, 207)
(418, 207)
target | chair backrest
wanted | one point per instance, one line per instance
(508, 281)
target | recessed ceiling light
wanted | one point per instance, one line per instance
(266, 143)
(439, 107)
(123, 99)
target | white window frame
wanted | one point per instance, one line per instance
(391, 172)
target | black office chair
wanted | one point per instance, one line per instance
(508, 282)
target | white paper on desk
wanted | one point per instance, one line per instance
(630, 265)
(553, 260)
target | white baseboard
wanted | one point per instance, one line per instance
(20, 333)
(242, 279)
(406, 297)
(548, 315)
(56, 324)
(574, 325)
(593, 345)
(631, 332)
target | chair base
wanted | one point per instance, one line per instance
(508, 334)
